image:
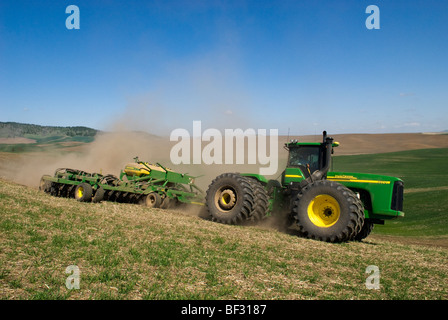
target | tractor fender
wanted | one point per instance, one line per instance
(258, 177)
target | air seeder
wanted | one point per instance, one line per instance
(139, 182)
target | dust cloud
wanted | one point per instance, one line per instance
(107, 154)
(143, 129)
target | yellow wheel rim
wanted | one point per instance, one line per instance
(324, 211)
(80, 192)
(225, 199)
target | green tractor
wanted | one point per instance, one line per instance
(311, 200)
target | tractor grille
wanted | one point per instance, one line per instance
(397, 196)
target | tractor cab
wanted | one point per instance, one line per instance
(308, 158)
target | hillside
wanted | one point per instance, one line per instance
(22, 137)
(130, 252)
(15, 129)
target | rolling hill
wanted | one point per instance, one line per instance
(22, 137)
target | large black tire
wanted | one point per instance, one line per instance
(261, 201)
(230, 199)
(83, 192)
(365, 230)
(328, 211)
(99, 195)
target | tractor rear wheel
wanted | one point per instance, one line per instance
(83, 192)
(328, 211)
(230, 198)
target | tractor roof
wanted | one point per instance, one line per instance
(295, 143)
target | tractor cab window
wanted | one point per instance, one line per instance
(303, 155)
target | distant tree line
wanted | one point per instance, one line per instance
(15, 129)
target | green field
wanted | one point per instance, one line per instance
(45, 143)
(425, 176)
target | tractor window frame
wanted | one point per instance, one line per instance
(313, 150)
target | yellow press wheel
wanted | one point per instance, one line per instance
(83, 192)
(79, 192)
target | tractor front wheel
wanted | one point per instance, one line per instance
(328, 211)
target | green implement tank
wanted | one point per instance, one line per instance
(315, 202)
(139, 182)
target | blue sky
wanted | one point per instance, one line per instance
(158, 65)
